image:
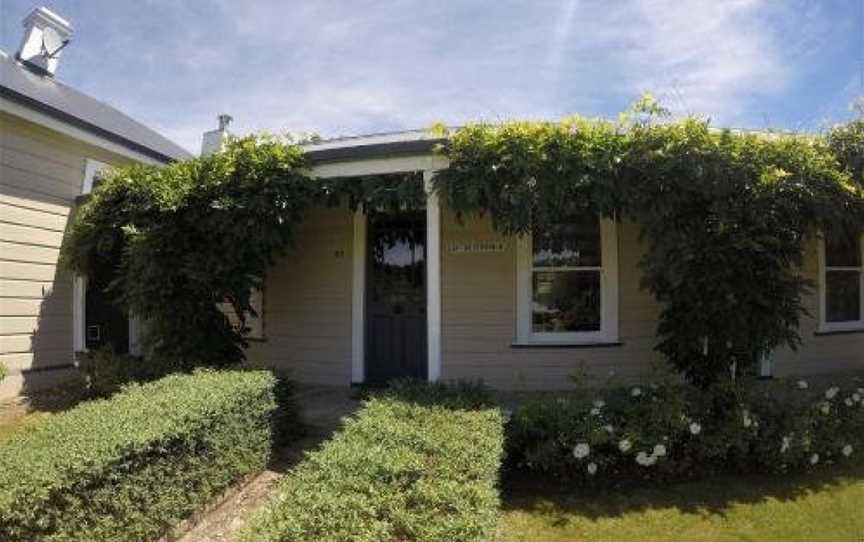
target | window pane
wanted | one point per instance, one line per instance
(576, 244)
(842, 296)
(566, 301)
(842, 251)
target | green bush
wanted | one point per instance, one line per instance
(2, 372)
(132, 466)
(460, 394)
(106, 372)
(669, 431)
(399, 470)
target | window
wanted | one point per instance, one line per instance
(93, 170)
(568, 283)
(842, 282)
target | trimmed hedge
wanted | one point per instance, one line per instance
(399, 470)
(132, 466)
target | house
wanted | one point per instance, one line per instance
(53, 142)
(369, 297)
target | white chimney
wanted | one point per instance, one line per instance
(45, 36)
(213, 141)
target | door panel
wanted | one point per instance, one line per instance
(396, 297)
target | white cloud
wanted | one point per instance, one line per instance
(360, 66)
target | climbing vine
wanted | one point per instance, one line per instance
(176, 244)
(725, 216)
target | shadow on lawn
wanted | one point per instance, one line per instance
(522, 491)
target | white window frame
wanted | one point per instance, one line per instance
(91, 169)
(608, 332)
(824, 325)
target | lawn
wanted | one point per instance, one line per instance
(823, 506)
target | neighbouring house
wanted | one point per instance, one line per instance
(53, 142)
(370, 297)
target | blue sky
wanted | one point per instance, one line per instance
(361, 66)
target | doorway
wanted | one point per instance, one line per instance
(395, 334)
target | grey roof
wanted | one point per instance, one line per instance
(382, 145)
(49, 96)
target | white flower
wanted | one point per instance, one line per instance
(625, 446)
(747, 420)
(695, 428)
(847, 450)
(645, 460)
(787, 442)
(860, 391)
(599, 403)
(825, 408)
(636, 392)
(595, 411)
(848, 402)
(660, 450)
(814, 459)
(609, 429)
(591, 468)
(506, 415)
(856, 397)
(832, 392)
(803, 385)
(581, 450)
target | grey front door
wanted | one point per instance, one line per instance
(396, 296)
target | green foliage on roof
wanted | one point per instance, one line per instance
(725, 215)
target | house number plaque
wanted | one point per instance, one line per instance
(475, 247)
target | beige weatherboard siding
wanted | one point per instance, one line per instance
(308, 314)
(41, 173)
(307, 302)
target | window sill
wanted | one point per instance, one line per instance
(839, 331)
(596, 344)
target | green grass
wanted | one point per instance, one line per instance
(823, 506)
(11, 423)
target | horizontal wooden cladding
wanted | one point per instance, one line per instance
(307, 302)
(18, 233)
(39, 165)
(45, 148)
(30, 199)
(10, 306)
(42, 186)
(38, 342)
(13, 214)
(22, 252)
(34, 289)
(479, 318)
(15, 325)
(28, 271)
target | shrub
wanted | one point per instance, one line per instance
(106, 372)
(137, 463)
(459, 394)
(399, 470)
(665, 431)
(2, 372)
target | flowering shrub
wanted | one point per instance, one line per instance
(667, 430)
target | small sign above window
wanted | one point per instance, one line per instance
(476, 247)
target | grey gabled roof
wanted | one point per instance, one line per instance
(49, 96)
(382, 145)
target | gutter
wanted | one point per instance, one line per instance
(72, 120)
